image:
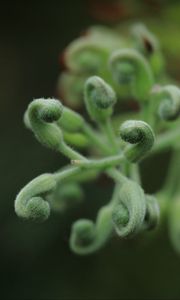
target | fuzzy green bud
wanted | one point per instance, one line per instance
(29, 203)
(169, 108)
(85, 55)
(129, 211)
(99, 98)
(41, 117)
(141, 135)
(87, 237)
(128, 65)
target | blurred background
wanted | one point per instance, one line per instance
(35, 260)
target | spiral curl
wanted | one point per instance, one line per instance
(99, 98)
(129, 211)
(70, 88)
(29, 203)
(146, 40)
(85, 55)
(87, 237)
(128, 65)
(169, 108)
(148, 44)
(39, 117)
(140, 134)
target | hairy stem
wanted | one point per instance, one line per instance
(109, 132)
(135, 173)
(101, 164)
(70, 153)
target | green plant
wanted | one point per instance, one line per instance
(115, 146)
(89, 55)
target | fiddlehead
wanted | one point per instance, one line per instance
(148, 44)
(129, 211)
(70, 88)
(99, 98)
(169, 96)
(40, 115)
(85, 55)
(145, 40)
(140, 135)
(87, 237)
(29, 203)
(128, 65)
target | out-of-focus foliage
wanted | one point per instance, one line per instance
(35, 260)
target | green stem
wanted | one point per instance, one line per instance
(135, 173)
(101, 164)
(109, 132)
(75, 174)
(115, 191)
(172, 180)
(125, 168)
(147, 112)
(117, 176)
(163, 201)
(65, 173)
(70, 153)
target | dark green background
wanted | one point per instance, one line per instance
(35, 260)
